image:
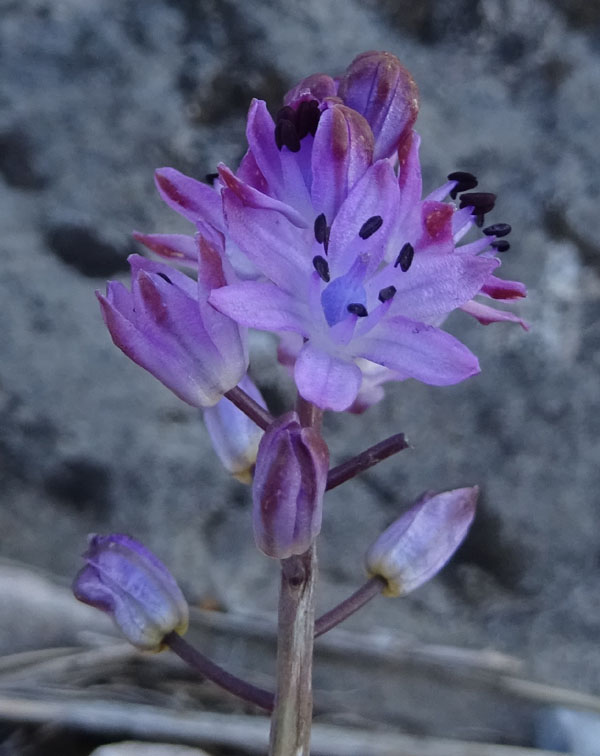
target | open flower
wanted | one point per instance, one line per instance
(331, 240)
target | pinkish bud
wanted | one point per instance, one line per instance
(289, 483)
(420, 542)
(383, 91)
(125, 580)
(234, 436)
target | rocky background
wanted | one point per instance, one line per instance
(94, 97)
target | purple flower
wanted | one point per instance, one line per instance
(418, 544)
(331, 240)
(125, 580)
(166, 325)
(234, 436)
(289, 483)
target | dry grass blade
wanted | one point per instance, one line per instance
(247, 734)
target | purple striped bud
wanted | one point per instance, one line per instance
(289, 483)
(166, 325)
(420, 542)
(234, 436)
(383, 91)
(125, 580)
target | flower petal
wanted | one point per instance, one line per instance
(327, 381)
(261, 305)
(434, 285)
(375, 194)
(253, 198)
(418, 351)
(498, 288)
(269, 240)
(177, 248)
(342, 152)
(192, 199)
(314, 87)
(486, 314)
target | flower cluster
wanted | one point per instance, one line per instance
(323, 237)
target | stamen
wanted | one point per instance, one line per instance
(322, 267)
(307, 118)
(320, 228)
(482, 202)
(465, 181)
(165, 278)
(371, 225)
(287, 136)
(357, 309)
(405, 257)
(210, 177)
(286, 113)
(387, 293)
(501, 246)
(498, 229)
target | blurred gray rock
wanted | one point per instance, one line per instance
(569, 731)
(95, 96)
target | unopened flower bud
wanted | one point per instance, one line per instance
(234, 436)
(125, 580)
(419, 543)
(289, 483)
(378, 86)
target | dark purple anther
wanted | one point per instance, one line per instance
(465, 181)
(289, 483)
(387, 293)
(501, 245)
(320, 228)
(371, 225)
(210, 177)
(322, 267)
(482, 202)
(287, 136)
(357, 309)
(405, 257)
(497, 229)
(307, 118)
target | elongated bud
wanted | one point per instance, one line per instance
(234, 436)
(378, 86)
(125, 580)
(289, 483)
(420, 542)
(166, 325)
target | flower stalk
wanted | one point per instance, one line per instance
(292, 715)
(207, 668)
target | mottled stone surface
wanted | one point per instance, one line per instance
(94, 96)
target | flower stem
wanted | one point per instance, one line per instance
(250, 407)
(291, 720)
(366, 459)
(353, 603)
(217, 674)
